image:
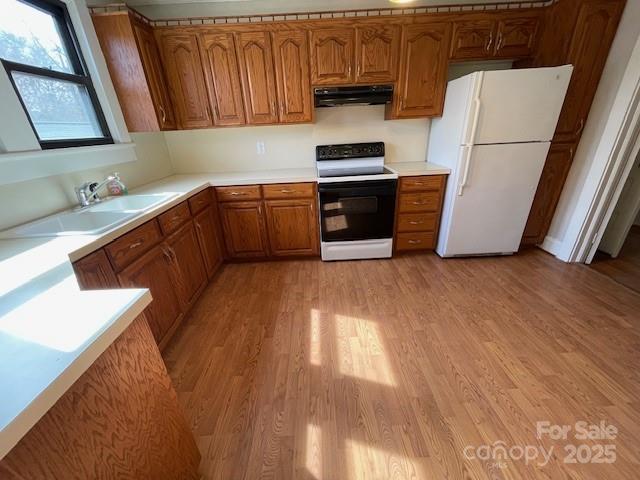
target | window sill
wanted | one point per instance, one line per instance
(22, 166)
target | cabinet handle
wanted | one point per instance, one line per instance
(164, 114)
(580, 126)
(273, 105)
(287, 191)
(235, 194)
(349, 71)
(135, 245)
(167, 255)
(490, 41)
(216, 111)
(418, 183)
(172, 254)
(419, 203)
(416, 223)
(415, 242)
(500, 41)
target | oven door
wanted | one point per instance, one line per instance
(357, 210)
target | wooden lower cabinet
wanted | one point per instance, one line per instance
(292, 226)
(94, 272)
(418, 208)
(155, 271)
(188, 263)
(552, 180)
(207, 231)
(245, 234)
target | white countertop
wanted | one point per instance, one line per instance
(51, 331)
(417, 168)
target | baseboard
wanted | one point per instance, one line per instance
(551, 245)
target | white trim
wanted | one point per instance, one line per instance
(613, 162)
(551, 245)
(16, 133)
(22, 166)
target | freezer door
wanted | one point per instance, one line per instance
(485, 213)
(517, 105)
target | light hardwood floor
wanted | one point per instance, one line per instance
(389, 369)
(624, 269)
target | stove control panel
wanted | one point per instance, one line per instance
(349, 150)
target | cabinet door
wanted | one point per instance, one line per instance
(187, 263)
(292, 227)
(223, 78)
(94, 272)
(595, 29)
(291, 57)
(258, 81)
(244, 230)
(548, 193)
(186, 80)
(516, 37)
(473, 39)
(332, 56)
(155, 76)
(208, 239)
(154, 270)
(377, 53)
(423, 70)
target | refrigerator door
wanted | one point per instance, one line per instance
(486, 212)
(511, 106)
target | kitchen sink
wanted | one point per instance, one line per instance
(91, 220)
(130, 203)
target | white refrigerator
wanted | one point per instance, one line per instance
(494, 135)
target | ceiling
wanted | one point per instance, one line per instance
(158, 9)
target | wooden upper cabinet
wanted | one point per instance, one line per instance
(134, 70)
(155, 75)
(223, 78)
(473, 39)
(258, 80)
(516, 37)
(291, 59)
(423, 71)
(594, 32)
(244, 229)
(377, 53)
(332, 56)
(186, 79)
(292, 227)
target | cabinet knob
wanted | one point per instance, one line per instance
(415, 242)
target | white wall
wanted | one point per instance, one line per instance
(293, 146)
(25, 201)
(582, 170)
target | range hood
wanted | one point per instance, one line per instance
(357, 95)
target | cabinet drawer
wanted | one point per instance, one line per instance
(199, 201)
(415, 241)
(417, 222)
(171, 220)
(415, 184)
(123, 251)
(419, 202)
(288, 190)
(239, 193)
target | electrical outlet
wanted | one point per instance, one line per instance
(260, 148)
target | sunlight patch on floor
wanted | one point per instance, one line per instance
(315, 347)
(314, 451)
(369, 462)
(360, 350)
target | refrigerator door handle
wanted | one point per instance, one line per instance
(465, 170)
(477, 103)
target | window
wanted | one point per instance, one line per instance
(40, 53)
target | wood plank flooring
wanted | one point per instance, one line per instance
(625, 269)
(389, 369)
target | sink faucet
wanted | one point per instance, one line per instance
(88, 192)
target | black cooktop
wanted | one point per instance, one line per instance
(349, 150)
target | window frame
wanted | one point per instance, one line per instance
(60, 13)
